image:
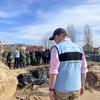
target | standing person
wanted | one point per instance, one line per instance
(68, 68)
(22, 59)
(17, 58)
(4, 56)
(28, 60)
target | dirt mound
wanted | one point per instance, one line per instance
(42, 93)
(8, 83)
(93, 76)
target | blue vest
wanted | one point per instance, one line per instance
(69, 72)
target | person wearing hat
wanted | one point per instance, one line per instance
(68, 68)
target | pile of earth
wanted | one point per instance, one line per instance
(8, 83)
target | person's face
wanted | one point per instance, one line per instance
(58, 38)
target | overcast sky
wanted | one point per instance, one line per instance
(27, 21)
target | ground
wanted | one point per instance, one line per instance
(42, 93)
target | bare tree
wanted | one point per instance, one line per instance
(71, 32)
(46, 42)
(88, 38)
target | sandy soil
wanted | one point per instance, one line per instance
(42, 93)
(88, 95)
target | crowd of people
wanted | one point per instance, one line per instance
(22, 58)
